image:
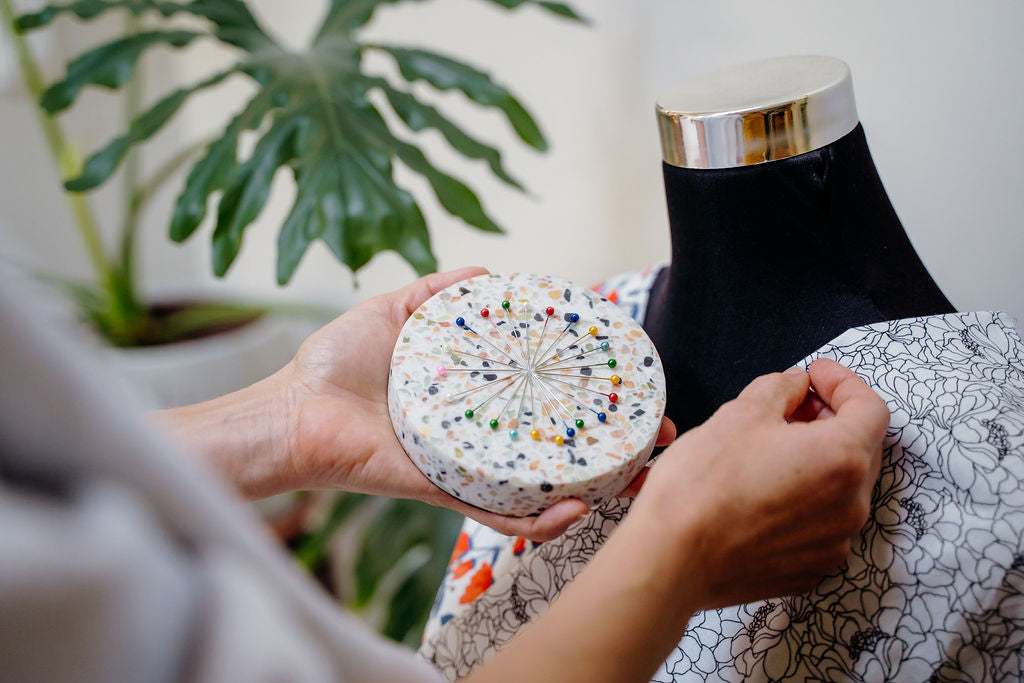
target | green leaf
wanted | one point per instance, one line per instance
(564, 10)
(369, 219)
(414, 240)
(235, 24)
(346, 199)
(313, 549)
(345, 16)
(559, 8)
(103, 163)
(400, 527)
(304, 223)
(378, 215)
(248, 190)
(90, 9)
(454, 195)
(215, 167)
(110, 65)
(418, 116)
(445, 73)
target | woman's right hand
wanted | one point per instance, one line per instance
(759, 501)
(764, 497)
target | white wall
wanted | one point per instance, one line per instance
(937, 84)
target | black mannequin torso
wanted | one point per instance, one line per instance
(771, 261)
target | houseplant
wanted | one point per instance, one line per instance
(312, 115)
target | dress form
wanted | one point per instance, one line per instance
(782, 234)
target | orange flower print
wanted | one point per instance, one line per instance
(519, 545)
(480, 582)
(462, 569)
(461, 546)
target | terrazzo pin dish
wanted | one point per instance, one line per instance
(512, 392)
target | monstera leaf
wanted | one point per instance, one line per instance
(313, 116)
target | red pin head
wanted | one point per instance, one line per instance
(549, 310)
(613, 398)
(484, 313)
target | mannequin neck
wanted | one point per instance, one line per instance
(771, 261)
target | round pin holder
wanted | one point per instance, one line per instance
(512, 392)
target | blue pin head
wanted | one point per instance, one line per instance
(574, 317)
(460, 321)
(570, 432)
(601, 417)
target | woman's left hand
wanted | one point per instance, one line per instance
(325, 421)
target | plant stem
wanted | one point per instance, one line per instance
(130, 178)
(59, 148)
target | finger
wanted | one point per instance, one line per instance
(848, 396)
(633, 490)
(778, 393)
(666, 433)
(410, 297)
(550, 524)
(812, 408)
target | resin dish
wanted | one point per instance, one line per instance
(512, 392)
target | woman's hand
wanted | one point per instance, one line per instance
(322, 421)
(760, 501)
(769, 491)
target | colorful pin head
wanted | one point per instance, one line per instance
(613, 397)
(534, 434)
(494, 424)
(441, 371)
(605, 346)
(616, 379)
(513, 434)
(570, 432)
(484, 313)
(550, 311)
(612, 362)
(579, 423)
(559, 440)
(506, 304)
(574, 317)
(460, 321)
(601, 417)
(592, 330)
(469, 414)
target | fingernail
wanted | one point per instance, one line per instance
(795, 370)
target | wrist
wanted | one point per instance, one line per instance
(248, 436)
(672, 536)
(617, 620)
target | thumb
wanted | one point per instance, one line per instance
(409, 298)
(780, 393)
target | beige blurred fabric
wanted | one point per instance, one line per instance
(120, 560)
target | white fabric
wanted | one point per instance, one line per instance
(932, 588)
(121, 561)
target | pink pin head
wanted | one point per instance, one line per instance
(441, 371)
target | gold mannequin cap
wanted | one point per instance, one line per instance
(756, 112)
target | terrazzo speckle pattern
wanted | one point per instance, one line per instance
(489, 410)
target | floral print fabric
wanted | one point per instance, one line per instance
(933, 589)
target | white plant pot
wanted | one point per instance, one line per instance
(181, 373)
